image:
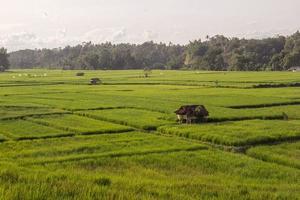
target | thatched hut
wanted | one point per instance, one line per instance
(192, 114)
(295, 69)
(2, 69)
(95, 81)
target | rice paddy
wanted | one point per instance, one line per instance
(78, 124)
(286, 154)
(61, 138)
(240, 133)
(21, 129)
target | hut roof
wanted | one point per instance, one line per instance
(80, 74)
(294, 68)
(95, 81)
(192, 110)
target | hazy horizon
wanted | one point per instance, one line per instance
(58, 23)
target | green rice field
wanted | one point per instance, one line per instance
(62, 138)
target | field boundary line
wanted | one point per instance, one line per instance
(129, 129)
(237, 148)
(264, 105)
(45, 137)
(273, 161)
(34, 115)
(107, 120)
(118, 107)
(119, 154)
(37, 84)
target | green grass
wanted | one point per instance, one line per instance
(12, 112)
(2, 138)
(238, 133)
(286, 154)
(79, 124)
(204, 174)
(21, 129)
(56, 141)
(239, 79)
(143, 119)
(89, 147)
(275, 112)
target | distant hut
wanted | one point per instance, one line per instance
(285, 116)
(192, 114)
(295, 69)
(2, 69)
(80, 74)
(95, 81)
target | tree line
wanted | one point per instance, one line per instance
(215, 53)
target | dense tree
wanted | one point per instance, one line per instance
(292, 51)
(215, 53)
(105, 58)
(4, 63)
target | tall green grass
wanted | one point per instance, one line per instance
(143, 119)
(88, 147)
(140, 165)
(21, 129)
(285, 154)
(241, 133)
(205, 174)
(14, 112)
(80, 125)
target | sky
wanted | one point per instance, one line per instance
(30, 24)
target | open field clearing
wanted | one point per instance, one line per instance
(238, 133)
(235, 79)
(21, 129)
(219, 114)
(143, 119)
(62, 138)
(163, 98)
(79, 124)
(11, 112)
(89, 147)
(205, 174)
(286, 154)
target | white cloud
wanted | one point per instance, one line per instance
(94, 35)
(29, 40)
(20, 40)
(105, 34)
(61, 33)
(119, 35)
(150, 35)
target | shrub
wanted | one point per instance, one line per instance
(103, 181)
(8, 176)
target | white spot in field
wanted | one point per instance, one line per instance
(45, 74)
(13, 77)
(20, 75)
